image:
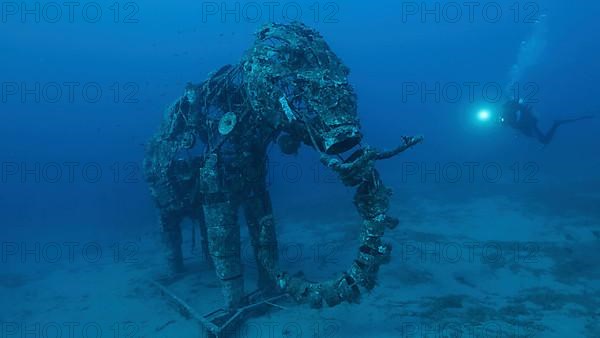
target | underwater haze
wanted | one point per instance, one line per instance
(498, 206)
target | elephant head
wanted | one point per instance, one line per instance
(296, 81)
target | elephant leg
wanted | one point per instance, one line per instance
(204, 241)
(223, 234)
(171, 235)
(261, 227)
(200, 221)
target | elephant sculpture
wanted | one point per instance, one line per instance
(209, 160)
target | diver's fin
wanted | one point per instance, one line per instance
(585, 117)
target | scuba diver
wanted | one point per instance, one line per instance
(519, 116)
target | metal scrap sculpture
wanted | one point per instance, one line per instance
(289, 88)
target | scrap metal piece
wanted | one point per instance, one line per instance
(186, 310)
(227, 123)
(223, 322)
(285, 105)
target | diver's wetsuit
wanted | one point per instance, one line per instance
(520, 116)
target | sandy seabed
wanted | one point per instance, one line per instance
(483, 266)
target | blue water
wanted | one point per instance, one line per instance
(83, 92)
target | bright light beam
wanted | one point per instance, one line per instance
(484, 115)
